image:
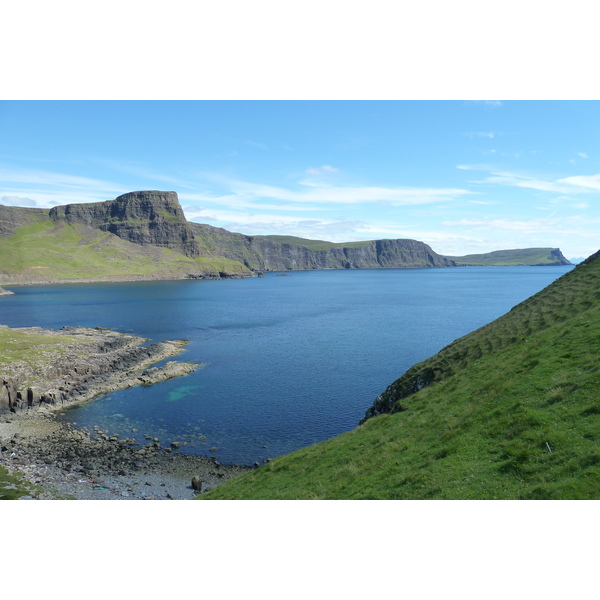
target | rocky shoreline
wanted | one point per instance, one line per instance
(16, 281)
(61, 462)
(60, 368)
(76, 364)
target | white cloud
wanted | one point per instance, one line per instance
(566, 185)
(324, 170)
(143, 173)
(17, 201)
(270, 224)
(47, 178)
(319, 195)
(478, 134)
(475, 167)
(486, 103)
(583, 181)
(524, 181)
(256, 144)
(582, 154)
(574, 225)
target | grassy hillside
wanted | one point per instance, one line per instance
(510, 411)
(513, 258)
(45, 251)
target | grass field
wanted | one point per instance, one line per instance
(29, 347)
(510, 411)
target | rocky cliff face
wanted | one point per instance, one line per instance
(559, 258)
(148, 217)
(155, 219)
(13, 217)
(260, 254)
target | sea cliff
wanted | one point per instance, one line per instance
(259, 253)
(144, 235)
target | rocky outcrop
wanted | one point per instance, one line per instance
(559, 258)
(13, 217)
(146, 218)
(101, 362)
(4, 292)
(261, 254)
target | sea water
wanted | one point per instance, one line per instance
(285, 361)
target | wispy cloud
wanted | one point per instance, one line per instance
(566, 185)
(48, 178)
(486, 103)
(256, 144)
(551, 224)
(475, 167)
(17, 201)
(267, 224)
(242, 202)
(320, 195)
(480, 134)
(324, 170)
(588, 182)
(144, 173)
(46, 189)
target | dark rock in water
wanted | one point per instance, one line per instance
(175, 445)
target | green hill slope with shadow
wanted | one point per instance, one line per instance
(510, 411)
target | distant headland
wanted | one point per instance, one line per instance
(144, 235)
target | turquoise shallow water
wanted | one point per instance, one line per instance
(287, 361)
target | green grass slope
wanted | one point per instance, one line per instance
(44, 251)
(510, 411)
(514, 258)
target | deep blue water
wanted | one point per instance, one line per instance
(289, 361)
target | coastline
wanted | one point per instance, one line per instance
(124, 279)
(60, 462)
(72, 366)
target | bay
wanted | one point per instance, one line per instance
(287, 361)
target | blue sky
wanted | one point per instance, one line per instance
(462, 176)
